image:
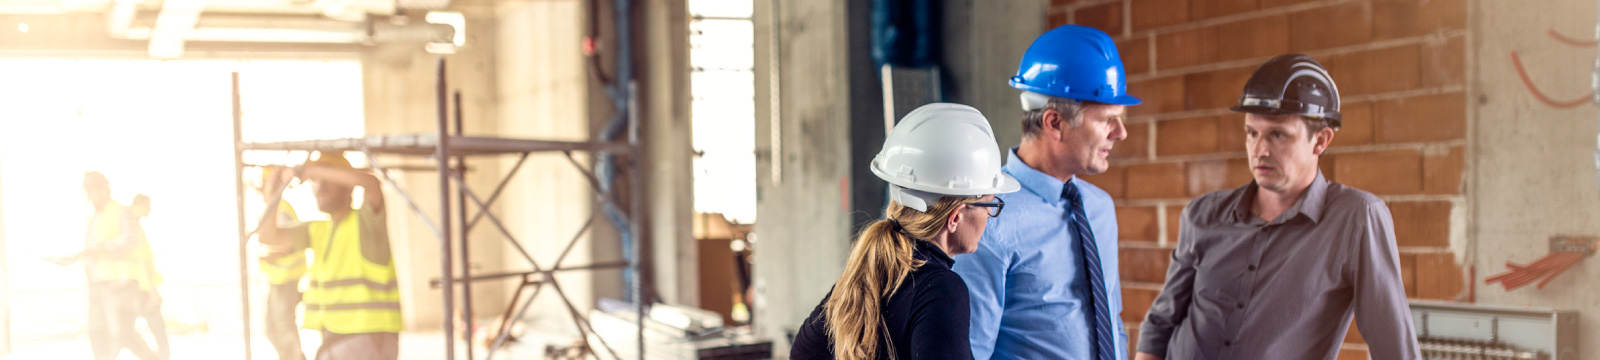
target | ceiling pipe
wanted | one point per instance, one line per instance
(121, 24)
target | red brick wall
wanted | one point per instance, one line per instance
(1400, 68)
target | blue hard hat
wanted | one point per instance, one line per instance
(1074, 62)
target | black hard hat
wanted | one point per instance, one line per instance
(1291, 84)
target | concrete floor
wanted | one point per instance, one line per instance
(414, 345)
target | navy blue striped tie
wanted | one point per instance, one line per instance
(1103, 340)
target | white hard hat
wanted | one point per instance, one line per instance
(939, 150)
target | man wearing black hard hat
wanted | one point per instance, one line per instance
(1276, 269)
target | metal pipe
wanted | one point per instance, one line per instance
(442, 154)
(504, 231)
(495, 195)
(461, 214)
(636, 210)
(238, 194)
(434, 283)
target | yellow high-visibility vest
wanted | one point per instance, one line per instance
(287, 267)
(144, 258)
(348, 294)
(106, 227)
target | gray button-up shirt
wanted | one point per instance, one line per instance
(1242, 288)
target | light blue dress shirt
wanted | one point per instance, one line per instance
(1027, 280)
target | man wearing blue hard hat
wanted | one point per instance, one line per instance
(1043, 282)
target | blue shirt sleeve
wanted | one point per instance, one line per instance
(984, 271)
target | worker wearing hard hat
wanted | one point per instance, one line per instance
(897, 298)
(353, 297)
(1274, 269)
(1043, 281)
(283, 270)
(114, 273)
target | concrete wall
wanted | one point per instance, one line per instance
(1532, 171)
(802, 166)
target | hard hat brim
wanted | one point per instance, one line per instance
(1124, 99)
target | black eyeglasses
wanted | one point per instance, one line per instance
(994, 207)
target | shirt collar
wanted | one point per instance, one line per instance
(1310, 204)
(1045, 186)
(933, 252)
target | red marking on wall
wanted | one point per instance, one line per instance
(1534, 89)
(1537, 94)
(1572, 41)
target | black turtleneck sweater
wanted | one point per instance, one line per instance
(926, 317)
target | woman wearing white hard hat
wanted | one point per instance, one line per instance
(897, 298)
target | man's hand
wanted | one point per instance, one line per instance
(1146, 356)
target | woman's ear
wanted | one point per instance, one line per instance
(955, 218)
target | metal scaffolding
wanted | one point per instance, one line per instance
(450, 143)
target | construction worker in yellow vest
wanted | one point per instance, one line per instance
(149, 281)
(353, 298)
(113, 272)
(283, 270)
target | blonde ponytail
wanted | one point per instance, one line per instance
(880, 260)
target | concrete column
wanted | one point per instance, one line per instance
(984, 41)
(802, 140)
(1530, 172)
(664, 98)
(399, 98)
(543, 86)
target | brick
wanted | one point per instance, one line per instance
(1239, 172)
(1155, 181)
(1133, 340)
(1330, 27)
(1353, 336)
(1106, 17)
(1139, 264)
(1444, 63)
(1392, 19)
(1148, 14)
(1376, 71)
(1212, 175)
(1421, 223)
(1252, 38)
(1138, 223)
(1352, 354)
(1114, 181)
(1328, 164)
(1438, 277)
(1056, 19)
(1135, 55)
(1408, 274)
(1382, 172)
(1201, 10)
(1135, 146)
(1441, 174)
(1259, 37)
(1174, 224)
(1136, 303)
(1422, 118)
(1186, 136)
(1268, 4)
(1160, 95)
(1230, 133)
(1058, 3)
(1355, 126)
(1219, 89)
